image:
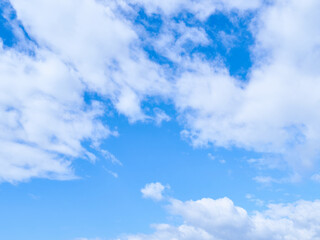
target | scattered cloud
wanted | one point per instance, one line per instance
(46, 117)
(220, 219)
(265, 179)
(160, 116)
(113, 174)
(81, 46)
(222, 161)
(273, 111)
(153, 191)
(257, 201)
(111, 157)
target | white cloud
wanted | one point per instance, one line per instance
(113, 174)
(274, 111)
(209, 219)
(153, 191)
(265, 179)
(88, 45)
(160, 116)
(212, 157)
(111, 157)
(257, 201)
(81, 46)
(43, 117)
(100, 44)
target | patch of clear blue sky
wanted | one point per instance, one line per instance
(11, 27)
(6, 31)
(99, 205)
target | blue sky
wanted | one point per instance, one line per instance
(140, 119)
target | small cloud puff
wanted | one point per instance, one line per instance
(154, 191)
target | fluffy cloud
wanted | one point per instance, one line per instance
(44, 117)
(92, 46)
(153, 191)
(209, 219)
(76, 47)
(100, 44)
(274, 110)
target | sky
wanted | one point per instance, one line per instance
(159, 120)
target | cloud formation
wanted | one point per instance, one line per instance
(44, 117)
(153, 191)
(76, 47)
(96, 46)
(220, 219)
(272, 112)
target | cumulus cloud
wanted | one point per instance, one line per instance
(153, 191)
(274, 110)
(89, 45)
(220, 219)
(101, 45)
(44, 117)
(76, 47)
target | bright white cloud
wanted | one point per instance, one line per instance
(43, 117)
(209, 219)
(81, 46)
(153, 191)
(274, 112)
(91, 46)
(100, 44)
